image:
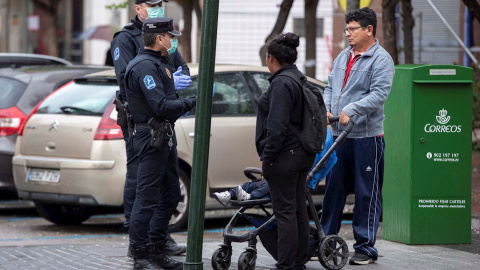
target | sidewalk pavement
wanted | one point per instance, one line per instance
(110, 254)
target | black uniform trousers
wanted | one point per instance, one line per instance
(157, 192)
(287, 181)
(130, 180)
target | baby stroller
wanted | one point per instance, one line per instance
(332, 251)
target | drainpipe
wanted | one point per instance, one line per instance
(468, 36)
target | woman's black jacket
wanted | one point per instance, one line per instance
(280, 106)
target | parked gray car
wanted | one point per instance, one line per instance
(16, 60)
(21, 89)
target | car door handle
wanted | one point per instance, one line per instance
(192, 134)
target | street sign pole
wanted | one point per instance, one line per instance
(201, 145)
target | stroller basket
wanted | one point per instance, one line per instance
(269, 235)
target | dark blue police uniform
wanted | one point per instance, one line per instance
(151, 93)
(124, 47)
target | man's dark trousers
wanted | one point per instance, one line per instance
(158, 192)
(359, 169)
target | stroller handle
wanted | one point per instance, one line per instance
(333, 118)
(347, 129)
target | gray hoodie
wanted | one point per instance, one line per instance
(365, 92)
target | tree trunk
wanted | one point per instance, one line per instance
(310, 26)
(351, 5)
(186, 39)
(279, 26)
(408, 23)
(198, 6)
(389, 29)
(473, 7)
(51, 8)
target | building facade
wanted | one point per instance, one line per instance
(242, 29)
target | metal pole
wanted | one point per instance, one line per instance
(420, 26)
(24, 27)
(201, 145)
(453, 32)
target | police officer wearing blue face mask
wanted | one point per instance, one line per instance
(154, 106)
(124, 47)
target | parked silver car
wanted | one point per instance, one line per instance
(71, 157)
(21, 89)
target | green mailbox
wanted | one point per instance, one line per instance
(428, 155)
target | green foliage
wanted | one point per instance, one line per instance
(124, 4)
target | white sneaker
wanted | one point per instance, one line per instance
(223, 197)
(242, 195)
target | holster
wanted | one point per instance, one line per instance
(161, 131)
(122, 111)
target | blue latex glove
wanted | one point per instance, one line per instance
(181, 81)
(185, 115)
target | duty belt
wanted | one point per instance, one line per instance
(144, 124)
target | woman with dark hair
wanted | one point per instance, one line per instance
(284, 163)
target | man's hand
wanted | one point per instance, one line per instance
(181, 81)
(328, 116)
(344, 118)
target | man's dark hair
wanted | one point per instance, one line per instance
(365, 17)
(284, 48)
(149, 38)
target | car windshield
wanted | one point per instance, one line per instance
(10, 92)
(79, 99)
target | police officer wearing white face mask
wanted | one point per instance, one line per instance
(124, 47)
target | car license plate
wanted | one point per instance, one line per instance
(40, 175)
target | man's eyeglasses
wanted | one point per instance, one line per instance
(351, 29)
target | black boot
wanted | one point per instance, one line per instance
(141, 259)
(159, 256)
(129, 251)
(173, 248)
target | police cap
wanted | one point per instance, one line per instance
(160, 25)
(137, 2)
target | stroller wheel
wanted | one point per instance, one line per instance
(222, 258)
(333, 252)
(246, 261)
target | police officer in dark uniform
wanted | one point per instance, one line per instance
(124, 47)
(154, 106)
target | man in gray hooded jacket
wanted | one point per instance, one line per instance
(357, 88)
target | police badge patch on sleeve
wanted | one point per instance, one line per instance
(149, 82)
(116, 54)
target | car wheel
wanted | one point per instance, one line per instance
(64, 214)
(180, 216)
